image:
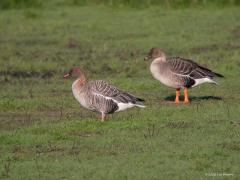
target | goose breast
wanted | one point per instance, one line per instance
(161, 72)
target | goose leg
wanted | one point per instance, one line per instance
(177, 96)
(103, 116)
(186, 99)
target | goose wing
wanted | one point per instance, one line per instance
(102, 88)
(188, 68)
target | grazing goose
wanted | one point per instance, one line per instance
(100, 96)
(178, 72)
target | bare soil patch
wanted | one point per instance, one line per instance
(232, 146)
(84, 134)
(236, 32)
(27, 74)
(215, 47)
(179, 125)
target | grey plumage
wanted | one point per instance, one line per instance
(110, 91)
(178, 72)
(101, 96)
(189, 70)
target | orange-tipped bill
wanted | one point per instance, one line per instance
(146, 58)
(66, 75)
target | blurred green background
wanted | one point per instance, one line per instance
(8, 4)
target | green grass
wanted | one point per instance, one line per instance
(136, 4)
(45, 134)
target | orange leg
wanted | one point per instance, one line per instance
(177, 96)
(186, 99)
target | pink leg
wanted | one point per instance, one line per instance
(103, 116)
(186, 98)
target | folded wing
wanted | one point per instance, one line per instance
(191, 72)
(108, 91)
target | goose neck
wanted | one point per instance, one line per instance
(160, 59)
(79, 83)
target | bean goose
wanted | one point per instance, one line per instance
(99, 95)
(178, 72)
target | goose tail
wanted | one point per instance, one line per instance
(204, 80)
(218, 75)
(139, 103)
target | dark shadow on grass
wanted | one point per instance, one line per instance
(196, 98)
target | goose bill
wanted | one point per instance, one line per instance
(66, 75)
(147, 58)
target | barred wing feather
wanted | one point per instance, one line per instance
(108, 91)
(186, 67)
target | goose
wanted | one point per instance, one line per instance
(177, 72)
(99, 95)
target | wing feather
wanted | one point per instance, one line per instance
(188, 68)
(108, 91)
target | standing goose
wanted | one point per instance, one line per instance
(99, 95)
(178, 72)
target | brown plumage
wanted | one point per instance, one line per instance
(178, 72)
(100, 96)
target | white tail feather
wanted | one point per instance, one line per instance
(141, 106)
(204, 80)
(123, 106)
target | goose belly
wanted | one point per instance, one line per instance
(83, 102)
(165, 78)
(80, 98)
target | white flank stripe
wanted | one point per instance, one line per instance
(121, 106)
(203, 80)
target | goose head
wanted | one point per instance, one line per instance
(155, 54)
(75, 72)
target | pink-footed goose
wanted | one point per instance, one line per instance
(99, 95)
(178, 72)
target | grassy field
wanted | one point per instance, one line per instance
(45, 134)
